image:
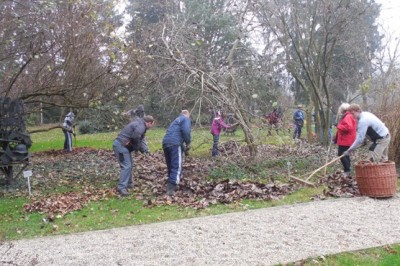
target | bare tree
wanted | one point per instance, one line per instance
(209, 60)
(204, 57)
(58, 53)
(316, 37)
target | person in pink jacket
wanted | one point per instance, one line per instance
(345, 135)
(216, 127)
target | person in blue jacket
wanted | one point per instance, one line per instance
(298, 120)
(175, 142)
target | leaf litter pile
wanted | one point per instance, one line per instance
(91, 175)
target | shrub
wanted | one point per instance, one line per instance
(388, 113)
(86, 127)
(392, 122)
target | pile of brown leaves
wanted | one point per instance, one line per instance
(340, 185)
(194, 189)
(67, 202)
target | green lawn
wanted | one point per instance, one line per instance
(200, 146)
(201, 140)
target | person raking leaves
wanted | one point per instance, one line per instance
(176, 140)
(131, 138)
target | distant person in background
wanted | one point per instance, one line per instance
(216, 127)
(69, 130)
(175, 142)
(274, 118)
(136, 113)
(371, 126)
(298, 120)
(345, 135)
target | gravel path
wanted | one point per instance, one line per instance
(258, 237)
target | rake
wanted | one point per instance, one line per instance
(306, 180)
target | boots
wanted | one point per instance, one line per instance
(123, 192)
(171, 188)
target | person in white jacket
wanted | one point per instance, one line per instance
(371, 126)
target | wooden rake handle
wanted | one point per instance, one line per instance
(325, 165)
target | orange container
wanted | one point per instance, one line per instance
(376, 180)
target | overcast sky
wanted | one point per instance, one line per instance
(390, 16)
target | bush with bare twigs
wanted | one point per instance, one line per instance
(389, 115)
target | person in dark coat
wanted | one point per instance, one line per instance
(138, 112)
(175, 142)
(128, 140)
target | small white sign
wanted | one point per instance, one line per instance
(27, 173)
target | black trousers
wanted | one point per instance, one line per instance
(345, 159)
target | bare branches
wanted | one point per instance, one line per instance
(57, 53)
(316, 37)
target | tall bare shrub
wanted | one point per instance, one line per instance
(390, 116)
(393, 124)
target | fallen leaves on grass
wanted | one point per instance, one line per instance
(67, 202)
(86, 167)
(96, 169)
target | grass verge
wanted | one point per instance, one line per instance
(388, 255)
(116, 212)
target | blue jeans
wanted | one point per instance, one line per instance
(125, 161)
(173, 158)
(297, 131)
(68, 140)
(215, 145)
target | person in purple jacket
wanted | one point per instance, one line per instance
(216, 127)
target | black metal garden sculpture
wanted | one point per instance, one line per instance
(14, 139)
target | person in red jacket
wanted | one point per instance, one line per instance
(345, 135)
